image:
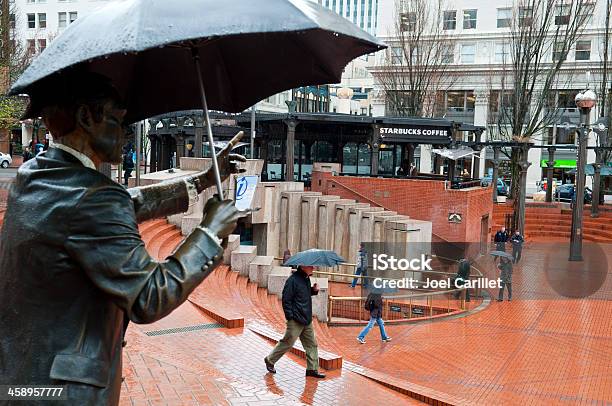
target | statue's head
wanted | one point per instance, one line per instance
(84, 107)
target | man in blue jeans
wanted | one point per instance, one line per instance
(362, 267)
(374, 304)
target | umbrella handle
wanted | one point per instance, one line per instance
(215, 164)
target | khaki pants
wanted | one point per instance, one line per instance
(307, 338)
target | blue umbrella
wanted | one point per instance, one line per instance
(315, 257)
(501, 254)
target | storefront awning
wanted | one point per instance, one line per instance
(560, 163)
(454, 154)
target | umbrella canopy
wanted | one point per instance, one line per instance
(501, 254)
(315, 257)
(454, 154)
(249, 50)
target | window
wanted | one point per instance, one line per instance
(562, 14)
(586, 13)
(31, 47)
(567, 99)
(501, 52)
(504, 17)
(559, 51)
(42, 20)
(467, 53)
(61, 20)
(450, 20)
(408, 21)
(583, 50)
(12, 21)
(73, 16)
(460, 100)
(525, 16)
(42, 44)
(448, 54)
(396, 55)
(31, 20)
(469, 19)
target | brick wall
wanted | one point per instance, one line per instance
(418, 199)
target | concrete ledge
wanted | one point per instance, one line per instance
(320, 301)
(277, 278)
(241, 258)
(233, 242)
(327, 360)
(228, 319)
(259, 269)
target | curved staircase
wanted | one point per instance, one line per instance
(226, 289)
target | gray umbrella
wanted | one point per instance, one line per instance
(315, 257)
(174, 55)
(501, 254)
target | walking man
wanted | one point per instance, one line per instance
(128, 166)
(463, 275)
(374, 304)
(517, 246)
(297, 306)
(505, 266)
(362, 266)
(501, 237)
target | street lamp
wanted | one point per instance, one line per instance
(585, 101)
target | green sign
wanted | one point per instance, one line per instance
(560, 163)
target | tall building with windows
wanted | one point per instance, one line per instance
(37, 22)
(477, 59)
(363, 13)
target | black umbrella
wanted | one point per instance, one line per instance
(501, 254)
(224, 55)
(315, 257)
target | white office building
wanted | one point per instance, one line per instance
(479, 33)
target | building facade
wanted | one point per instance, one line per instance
(478, 57)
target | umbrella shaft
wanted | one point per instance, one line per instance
(213, 156)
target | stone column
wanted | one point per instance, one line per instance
(495, 175)
(425, 164)
(289, 156)
(180, 148)
(549, 174)
(524, 166)
(199, 135)
(374, 144)
(153, 140)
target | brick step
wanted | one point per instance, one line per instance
(156, 232)
(168, 247)
(148, 226)
(327, 360)
(163, 236)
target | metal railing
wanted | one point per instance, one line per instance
(352, 307)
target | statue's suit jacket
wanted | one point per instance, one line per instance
(74, 271)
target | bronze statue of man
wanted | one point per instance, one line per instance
(73, 267)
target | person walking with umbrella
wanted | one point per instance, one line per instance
(374, 304)
(297, 306)
(505, 266)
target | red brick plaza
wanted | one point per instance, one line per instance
(542, 348)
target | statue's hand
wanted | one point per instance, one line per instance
(228, 164)
(221, 217)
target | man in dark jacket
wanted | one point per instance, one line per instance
(517, 246)
(297, 306)
(501, 237)
(65, 310)
(463, 275)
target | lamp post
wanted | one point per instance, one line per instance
(585, 101)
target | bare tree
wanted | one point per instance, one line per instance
(542, 33)
(416, 66)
